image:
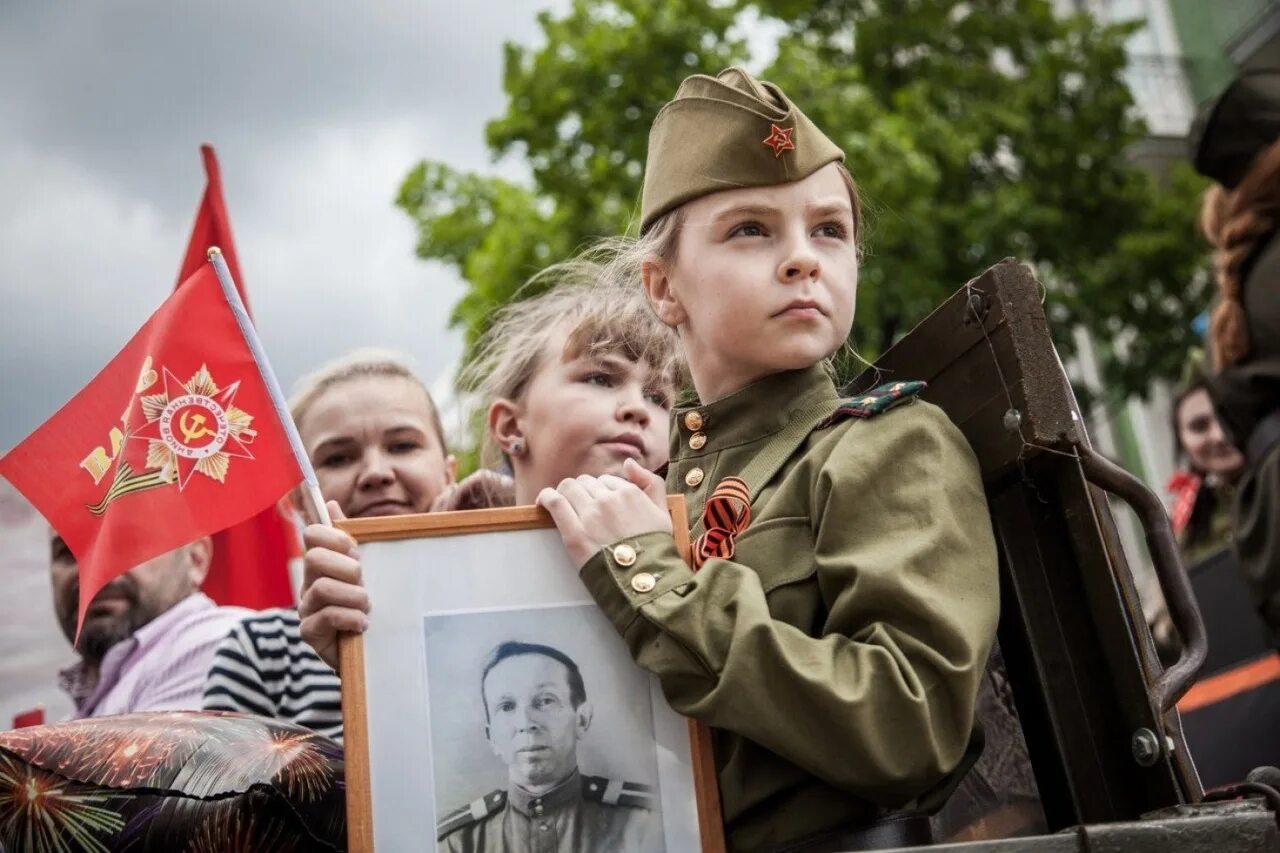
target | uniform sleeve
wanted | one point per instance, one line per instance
(235, 680)
(881, 701)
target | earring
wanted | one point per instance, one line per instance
(517, 447)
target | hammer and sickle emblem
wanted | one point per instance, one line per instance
(192, 426)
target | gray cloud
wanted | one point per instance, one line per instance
(317, 111)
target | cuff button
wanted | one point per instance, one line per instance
(624, 555)
(644, 582)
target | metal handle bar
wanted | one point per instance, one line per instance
(1176, 679)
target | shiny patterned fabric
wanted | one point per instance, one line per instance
(177, 780)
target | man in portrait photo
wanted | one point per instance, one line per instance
(536, 712)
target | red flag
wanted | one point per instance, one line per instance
(212, 228)
(250, 565)
(176, 438)
(34, 717)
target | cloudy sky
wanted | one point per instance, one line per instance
(317, 110)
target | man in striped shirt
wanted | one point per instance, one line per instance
(148, 636)
(264, 667)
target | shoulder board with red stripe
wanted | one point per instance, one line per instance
(877, 401)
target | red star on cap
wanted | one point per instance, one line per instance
(779, 139)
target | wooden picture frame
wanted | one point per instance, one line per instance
(470, 532)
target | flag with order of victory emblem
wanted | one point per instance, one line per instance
(176, 438)
(250, 563)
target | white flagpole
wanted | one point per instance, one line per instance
(311, 486)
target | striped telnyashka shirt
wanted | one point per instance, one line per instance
(264, 667)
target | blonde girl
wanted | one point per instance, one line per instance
(580, 380)
(837, 619)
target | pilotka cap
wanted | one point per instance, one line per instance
(727, 132)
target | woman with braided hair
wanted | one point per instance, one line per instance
(1237, 144)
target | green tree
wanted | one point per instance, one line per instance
(975, 132)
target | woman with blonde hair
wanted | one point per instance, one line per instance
(1237, 144)
(375, 439)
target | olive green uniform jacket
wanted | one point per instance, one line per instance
(838, 654)
(583, 814)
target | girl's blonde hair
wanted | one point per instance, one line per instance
(359, 364)
(1235, 221)
(591, 320)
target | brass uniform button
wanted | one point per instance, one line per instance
(644, 582)
(698, 440)
(693, 478)
(624, 555)
(693, 421)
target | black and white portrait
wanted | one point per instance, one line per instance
(542, 733)
(503, 711)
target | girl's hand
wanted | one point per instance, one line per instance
(332, 598)
(593, 512)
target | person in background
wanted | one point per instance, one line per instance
(1236, 142)
(148, 636)
(1230, 716)
(1202, 488)
(374, 437)
(1210, 467)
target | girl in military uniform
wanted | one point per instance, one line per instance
(842, 601)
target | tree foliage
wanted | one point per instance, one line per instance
(975, 132)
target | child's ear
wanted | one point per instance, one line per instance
(657, 286)
(504, 424)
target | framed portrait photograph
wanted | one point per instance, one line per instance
(491, 706)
